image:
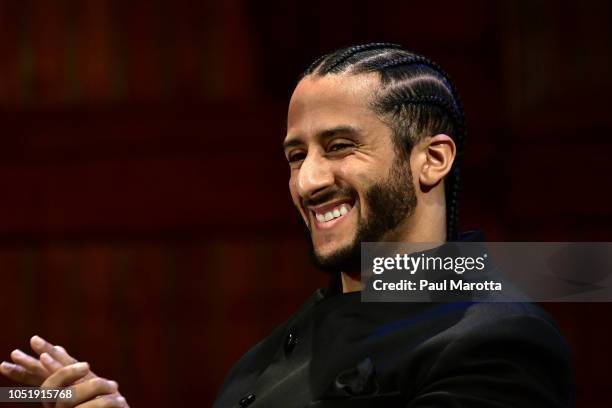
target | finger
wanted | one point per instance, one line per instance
(108, 401)
(90, 389)
(30, 363)
(58, 353)
(66, 375)
(40, 346)
(62, 355)
(19, 374)
(49, 363)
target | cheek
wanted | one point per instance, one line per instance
(295, 197)
(358, 176)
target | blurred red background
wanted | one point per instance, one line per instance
(145, 220)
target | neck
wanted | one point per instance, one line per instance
(351, 282)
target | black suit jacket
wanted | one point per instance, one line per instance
(339, 352)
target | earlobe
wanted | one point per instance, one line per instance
(440, 151)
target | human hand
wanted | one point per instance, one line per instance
(54, 368)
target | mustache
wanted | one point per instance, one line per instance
(328, 195)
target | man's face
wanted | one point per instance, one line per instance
(346, 180)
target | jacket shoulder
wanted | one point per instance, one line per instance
(510, 354)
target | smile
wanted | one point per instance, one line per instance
(330, 215)
(336, 212)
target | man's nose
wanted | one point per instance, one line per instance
(315, 175)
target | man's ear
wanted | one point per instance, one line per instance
(439, 154)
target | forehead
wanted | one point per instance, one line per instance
(320, 102)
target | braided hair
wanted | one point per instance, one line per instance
(417, 99)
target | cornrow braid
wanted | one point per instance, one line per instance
(314, 65)
(333, 61)
(407, 59)
(431, 100)
(458, 106)
(453, 110)
(414, 59)
(408, 80)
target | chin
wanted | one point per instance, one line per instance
(327, 253)
(331, 247)
(338, 258)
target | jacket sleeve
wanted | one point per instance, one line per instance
(517, 361)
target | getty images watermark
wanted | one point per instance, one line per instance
(491, 272)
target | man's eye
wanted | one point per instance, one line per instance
(339, 146)
(295, 157)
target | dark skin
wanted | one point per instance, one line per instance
(336, 143)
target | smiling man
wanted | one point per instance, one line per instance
(374, 137)
(351, 181)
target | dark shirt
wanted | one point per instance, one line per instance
(336, 351)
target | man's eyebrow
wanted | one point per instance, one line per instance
(339, 129)
(291, 143)
(322, 134)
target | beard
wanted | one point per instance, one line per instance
(388, 204)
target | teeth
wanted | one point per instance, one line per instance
(335, 213)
